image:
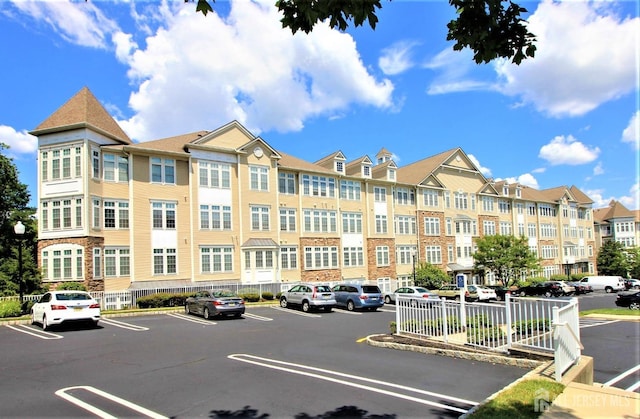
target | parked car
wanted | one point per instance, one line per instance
(358, 296)
(567, 289)
(581, 288)
(309, 297)
(58, 307)
(452, 292)
(482, 293)
(419, 293)
(629, 299)
(209, 304)
(546, 289)
(500, 291)
(632, 284)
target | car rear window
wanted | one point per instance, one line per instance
(323, 288)
(73, 296)
(371, 289)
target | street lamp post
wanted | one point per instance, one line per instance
(19, 230)
(413, 257)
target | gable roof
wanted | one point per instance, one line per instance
(175, 145)
(287, 161)
(614, 210)
(415, 173)
(83, 110)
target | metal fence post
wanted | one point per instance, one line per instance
(507, 306)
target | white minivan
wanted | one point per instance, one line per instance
(607, 283)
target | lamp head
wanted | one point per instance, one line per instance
(19, 228)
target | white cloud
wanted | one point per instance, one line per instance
(201, 72)
(20, 142)
(631, 201)
(486, 172)
(631, 133)
(526, 179)
(80, 23)
(577, 43)
(396, 59)
(569, 151)
(539, 170)
(453, 73)
(598, 170)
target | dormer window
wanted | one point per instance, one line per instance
(505, 190)
(518, 192)
(366, 171)
(339, 166)
(392, 174)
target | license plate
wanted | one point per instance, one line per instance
(325, 297)
(232, 304)
(77, 309)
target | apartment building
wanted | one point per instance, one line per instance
(617, 223)
(224, 205)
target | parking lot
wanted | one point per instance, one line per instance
(273, 361)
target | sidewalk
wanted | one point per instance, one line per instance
(594, 401)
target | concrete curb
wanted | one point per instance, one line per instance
(462, 354)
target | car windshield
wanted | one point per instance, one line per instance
(73, 296)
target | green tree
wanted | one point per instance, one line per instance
(612, 259)
(508, 256)
(491, 28)
(430, 276)
(633, 255)
(14, 200)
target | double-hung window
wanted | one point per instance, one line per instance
(163, 215)
(259, 218)
(259, 178)
(163, 170)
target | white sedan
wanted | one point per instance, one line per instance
(57, 307)
(482, 293)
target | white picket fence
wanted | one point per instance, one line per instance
(538, 324)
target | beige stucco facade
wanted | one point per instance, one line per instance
(224, 205)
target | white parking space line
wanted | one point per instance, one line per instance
(355, 313)
(584, 323)
(35, 332)
(63, 393)
(256, 317)
(386, 310)
(299, 313)
(621, 376)
(112, 322)
(351, 381)
(191, 319)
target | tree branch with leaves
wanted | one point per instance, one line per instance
(491, 28)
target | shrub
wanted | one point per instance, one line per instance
(532, 325)
(163, 299)
(481, 320)
(73, 286)
(251, 297)
(393, 327)
(278, 295)
(10, 308)
(484, 334)
(267, 295)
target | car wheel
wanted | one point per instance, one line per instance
(305, 306)
(522, 294)
(547, 294)
(45, 323)
(186, 309)
(237, 315)
(350, 305)
(373, 309)
(328, 309)
(457, 298)
(608, 290)
(413, 303)
(283, 302)
(634, 306)
(95, 323)
(206, 313)
(387, 299)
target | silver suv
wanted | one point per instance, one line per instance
(308, 297)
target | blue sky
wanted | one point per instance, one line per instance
(567, 117)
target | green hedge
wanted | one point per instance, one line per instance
(10, 308)
(163, 299)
